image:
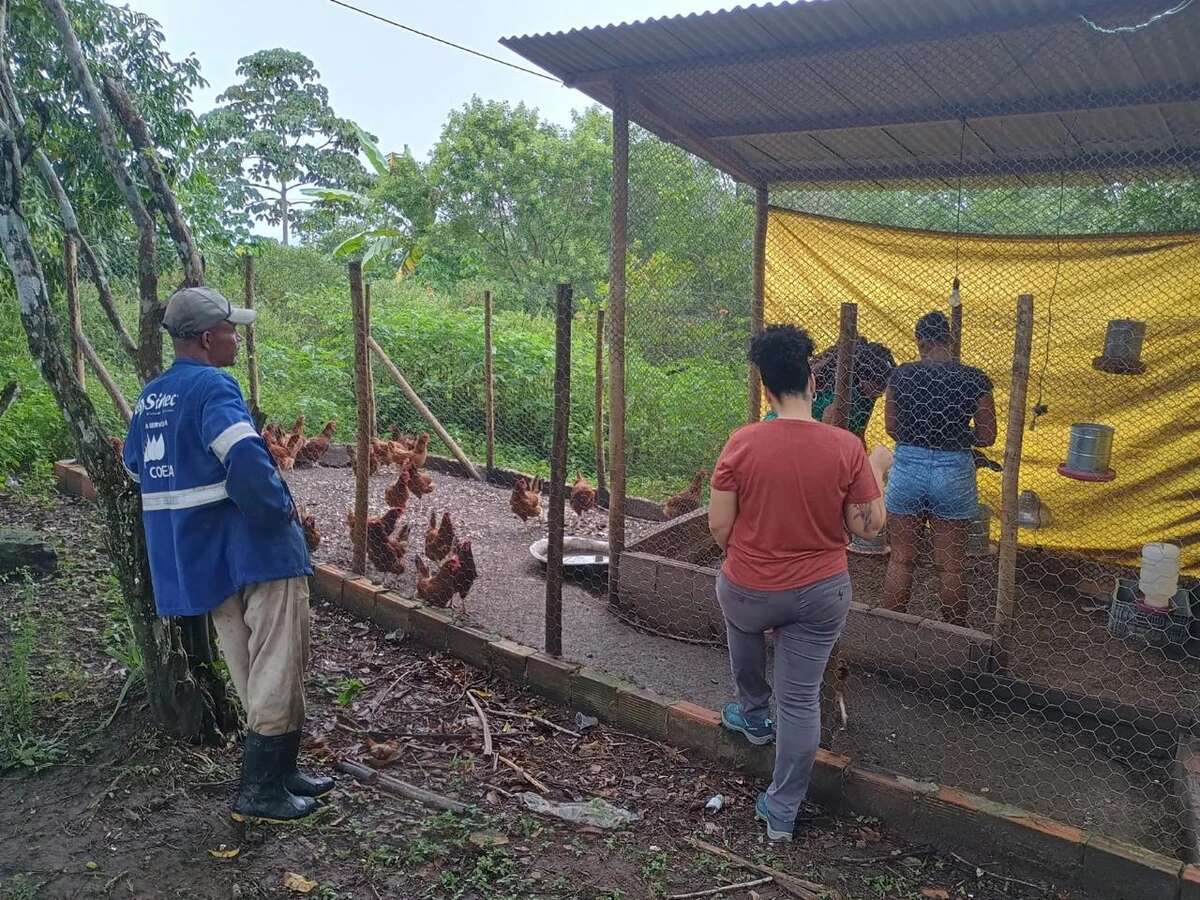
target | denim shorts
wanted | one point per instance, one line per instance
(938, 483)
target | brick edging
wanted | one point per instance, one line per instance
(1098, 866)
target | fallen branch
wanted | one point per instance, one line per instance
(533, 781)
(981, 871)
(504, 714)
(392, 785)
(797, 887)
(106, 379)
(488, 749)
(723, 889)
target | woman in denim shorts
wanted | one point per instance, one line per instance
(937, 410)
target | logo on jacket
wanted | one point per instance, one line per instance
(155, 449)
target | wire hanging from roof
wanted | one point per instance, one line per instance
(1129, 29)
(1039, 406)
(955, 297)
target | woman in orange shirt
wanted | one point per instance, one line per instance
(784, 494)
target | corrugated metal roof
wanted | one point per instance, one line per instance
(867, 90)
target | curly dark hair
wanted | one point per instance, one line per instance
(782, 355)
(933, 328)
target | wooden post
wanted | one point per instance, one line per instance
(421, 408)
(1006, 583)
(71, 270)
(956, 314)
(371, 409)
(598, 419)
(558, 468)
(844, 379)
(362, 457)
(105, 378)
(754, 394)
(251, 346)
(489, 384)
(616, 336)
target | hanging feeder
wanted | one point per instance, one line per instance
(1122, 354)
(1031, 511)
(1089, 453)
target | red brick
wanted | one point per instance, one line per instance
(327, 582)
(1118, 871)
(694, 727)
(87, 489)
(470, 644)
(509, 659)
(595, 692)
(550, 676)
(1189, 883)
(828, 776)
(358, 597)
(68, 478)
(642, 712)
(429, 626)
(393, 611)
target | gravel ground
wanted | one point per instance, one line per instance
(1037, 765)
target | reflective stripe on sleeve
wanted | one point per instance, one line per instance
(224, 441)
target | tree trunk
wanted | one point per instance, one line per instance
(188, 702)
(8, 396)
(283, 211)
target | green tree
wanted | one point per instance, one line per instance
(274, 134)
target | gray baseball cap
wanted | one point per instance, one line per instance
(194, 310)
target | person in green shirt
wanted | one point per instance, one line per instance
(873, 364)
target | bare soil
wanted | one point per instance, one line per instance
(1070, 770)
(125, 813)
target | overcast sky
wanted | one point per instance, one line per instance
(393, 83)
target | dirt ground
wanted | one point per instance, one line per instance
(1058, 769)
(117, 811)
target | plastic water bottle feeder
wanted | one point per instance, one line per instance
(1122, 348)
(1032, 512)
(1089, 452)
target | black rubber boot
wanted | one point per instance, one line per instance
(296, 781)
(263, 796)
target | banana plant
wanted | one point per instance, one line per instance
(383, 241)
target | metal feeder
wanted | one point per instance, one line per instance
(1122, 354)
(1032, 512)
(1089, 452)
(979, 532)
(577, 551)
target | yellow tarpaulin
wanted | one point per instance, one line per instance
(813, 264)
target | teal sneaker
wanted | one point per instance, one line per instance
(757, 733)
(776, 830)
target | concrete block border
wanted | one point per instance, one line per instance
(1095, 865)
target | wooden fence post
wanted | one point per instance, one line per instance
(558, 468)
(251, 346)
(1006, 583)
(362, 457)
(754, 387)
(372, 411)
(489, 384)
(616, 336)
(598, 419)
(844, 379)
(71, 270)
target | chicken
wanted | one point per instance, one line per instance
(312, 537)
(314, 449)
(583, 496)
(118, 445)
(406, 441)
(439, 589)
(271, 436)
(833, 684)
(295, 440)
(397, 492)
(526, 499)
(439, 539)
(418, 482)
(685, 501)
(420, 451)
(386, 551)
(467, 571)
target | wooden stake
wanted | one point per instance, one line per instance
(616, 337)
(362, 457)
(71, 269)
(844, 379)
(1006, 583)
(558, 468)
(489, 384)
(371, 409)
(251, 346)
(105, 378)
(421, 408)
(401, 788)
(598, 418)
(754, 394)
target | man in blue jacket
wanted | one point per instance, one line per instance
(224, 538)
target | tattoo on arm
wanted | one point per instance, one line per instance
(863, 513)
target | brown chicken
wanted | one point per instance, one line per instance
(372, 463)
(312, 537)
(317, 447)
(118, 445)
(386, 551)
(420, 451)
(686, 501)
(397, 492)
(439, 539)
(418, 482)
(271, 436)
(438, 589)
(583, 496)
(294, 441)
(467, 571)
(526, 499)
(833, 685)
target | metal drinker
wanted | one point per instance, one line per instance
(1123, 340)
(979, 532)
(1090, 448)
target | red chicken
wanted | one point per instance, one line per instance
(312, 537)
(420, 451)
(686, 501)
(439, 539)
(439, 589)
(526, 499)
(397, 492)
(467, 571)
(583, 496)
(314, 449)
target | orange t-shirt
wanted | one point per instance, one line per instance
(793, 479)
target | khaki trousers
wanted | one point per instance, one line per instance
(263, 634)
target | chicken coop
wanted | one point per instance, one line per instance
(1029, 168)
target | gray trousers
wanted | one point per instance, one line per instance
(807, 622)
